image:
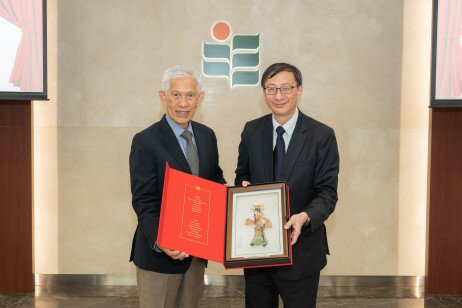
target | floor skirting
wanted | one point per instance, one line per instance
(229, 280)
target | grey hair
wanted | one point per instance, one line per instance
(180, 71)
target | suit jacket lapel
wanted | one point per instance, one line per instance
(298, 140)
(267, 149)
(173, 147)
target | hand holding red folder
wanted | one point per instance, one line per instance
(174, 254)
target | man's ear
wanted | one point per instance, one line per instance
(300, 91)
(200, 98)
(162, 96)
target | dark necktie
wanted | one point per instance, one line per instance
(278, 154)
(193, 158)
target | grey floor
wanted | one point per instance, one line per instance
(223, 297)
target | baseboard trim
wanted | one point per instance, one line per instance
(228, 280)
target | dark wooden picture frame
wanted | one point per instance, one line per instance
(255, 219)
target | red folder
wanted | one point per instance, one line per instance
(193, 215)
(193, 219)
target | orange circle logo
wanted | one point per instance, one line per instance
(221, 31)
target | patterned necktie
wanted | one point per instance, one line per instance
(278, 154)
(193, 158)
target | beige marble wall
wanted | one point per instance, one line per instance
(360, 77)
(45, 159)
(414, 126)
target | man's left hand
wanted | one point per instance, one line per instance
(296, 221)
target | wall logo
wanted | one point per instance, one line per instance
(237, 60)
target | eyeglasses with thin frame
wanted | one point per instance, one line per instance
(178, 96)
(283, 90)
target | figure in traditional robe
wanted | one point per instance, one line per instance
(260, 223)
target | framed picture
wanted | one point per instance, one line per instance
(255, 219)
(446, 85)
(23, 50)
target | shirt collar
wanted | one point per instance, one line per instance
(289, 127)
(177, 129)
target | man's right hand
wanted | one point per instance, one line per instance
(245, 183)
(174, 254)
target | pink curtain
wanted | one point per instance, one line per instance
(449, 50)
(27, 73)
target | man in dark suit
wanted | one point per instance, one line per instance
(292, 147)
(169, 278)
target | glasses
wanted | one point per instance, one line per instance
(283, 89)
(177, 96)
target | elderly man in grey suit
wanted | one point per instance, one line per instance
(289, 146)
(169, 278)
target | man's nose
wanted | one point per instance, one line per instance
(183, 101)
(278, 94)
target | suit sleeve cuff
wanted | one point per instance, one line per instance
(156, 248)
(308, 222)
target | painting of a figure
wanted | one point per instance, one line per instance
(260, 223)
(255, 233)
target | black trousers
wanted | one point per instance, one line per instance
(263, 285)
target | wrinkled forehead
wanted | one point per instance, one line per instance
(184, 82)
